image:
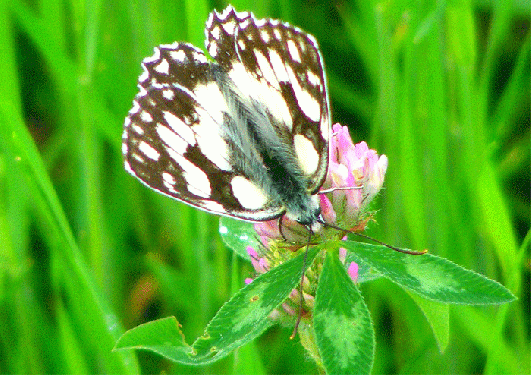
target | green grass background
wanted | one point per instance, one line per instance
(86, 251)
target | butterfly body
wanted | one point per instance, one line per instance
(244, 136)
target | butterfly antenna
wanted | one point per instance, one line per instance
(346, 231)
(299, 314)
(280, 226)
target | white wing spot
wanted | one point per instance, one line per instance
(240, 14)
(215, 32)
(217, 156)
(149, 151)
(261, 22)
(200, 57)
(143, 77)
(211, 144)
(174, 45)
(302, 45)
(179, 127)
(278, 66)
(277, 34)
(307, 103)
(178, 56)
(325, 125)
(210, 98)
(210, 20)
(141, 92)
(168, 178)
(267, 72)
(168, 94)
(262, 92)
(138, 158)
(241, 44)
(212, 49)
(137, 129)
(307, 154)
(135, 108)
(197, 180)
(213, 206)
(313, 79)
(229, 27)
(245, 24)
(128, 168)
(294, 51)
(169, 182)
(163, 67)
(249, 195)
(146, 116)
(264, 35)
(171, 139)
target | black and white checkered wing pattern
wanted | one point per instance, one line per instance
(281, 66)
(173, 135)
(244, 136)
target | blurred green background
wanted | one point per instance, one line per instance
(86, 251)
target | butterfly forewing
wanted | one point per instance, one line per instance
(280, 65)
(201, 131)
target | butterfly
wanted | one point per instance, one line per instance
(244, 135)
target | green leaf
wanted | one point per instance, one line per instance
(461, 35)
(438, 316)
(365, 271)
(239, 321)
(98, 322)
(343, 328)
(237, 235)
(244, 317)
(162, 336)
(430, 276)
(247, 360)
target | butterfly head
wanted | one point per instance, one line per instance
(306, 211)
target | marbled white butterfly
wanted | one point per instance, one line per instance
(245, 135)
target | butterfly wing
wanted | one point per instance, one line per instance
(280, 66)
(173, 139)
(183, 138)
